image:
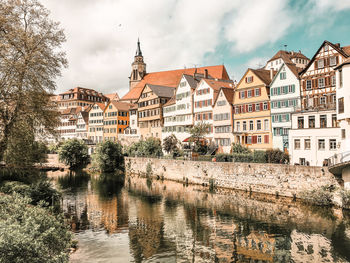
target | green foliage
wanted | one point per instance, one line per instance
(199, 130)
(259, 156)
(109, 156)
(243, 157)
(149, 170)
(238, 148)
(276, 156)
(321, 196)
(200, 147)
(345, 194)
(74, 153)
(30, 233)
(151, 147)
(223, 157)
(170, 145)
(54, 147)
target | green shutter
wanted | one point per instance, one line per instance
(287, 117)
(293, 88)
(278, 90)
(280, 118)
(279, 104)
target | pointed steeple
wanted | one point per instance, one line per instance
(138, 50)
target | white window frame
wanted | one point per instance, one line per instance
(257, 107)
(257, 92)
(259, 140)
(332, 61)
(332, 144)
(308, 87)
(320, 64)
(250, 108)
(249, 93)
(258, 125)
(323, 100)
(321, 83)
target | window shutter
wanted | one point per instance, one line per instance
(316, 83)
(253, 92)
(279, 104)
(266, 139)
(293, 88)
(246, 79)
(245, 94)
(316, 66)
(253, 107)
(304, 84)
(239, 94)
(337, 59)
(261, 106)
(268, 105)
(255, 139)
(287, 117)
(252, 78)
(259, 91)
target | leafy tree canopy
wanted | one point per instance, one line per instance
(109, 156)
(74, 153)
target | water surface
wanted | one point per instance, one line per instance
(161, 221)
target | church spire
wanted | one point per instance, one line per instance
(138, 50)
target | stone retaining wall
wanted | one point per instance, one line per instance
(284, 180)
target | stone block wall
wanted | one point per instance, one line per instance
(284, 180)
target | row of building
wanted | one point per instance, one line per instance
(293, 103)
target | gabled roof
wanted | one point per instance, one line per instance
(344, 51)
(217, 84)
(124, 106)
(263, 75)
(287, 56)
(101, 105)
(112, 96)
(85, 115)
(72, 111)
(191, 81)
(171, 78)
(294, 69)
(172, 101)
(83, 91)
(162, 91)
(228, 93)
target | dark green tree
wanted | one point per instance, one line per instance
(151, 147)
(74, 153)
(109, 156)
(198, 133)
(170, 145)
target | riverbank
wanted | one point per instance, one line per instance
(273, 179)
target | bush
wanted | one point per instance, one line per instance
(74, 153)
(243, 157)
(276, 156)
(170, 145)
(223, 157)
(109, 156)
(346, 198)
(30, 233)
(238, 148)
(151, 147)
(259, 156)
(321, 197)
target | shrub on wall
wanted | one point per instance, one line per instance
(223, 157)
(151, 147)
(243, 157)
(238, 148)
(321, 196)
(277, 156)
(259, 156)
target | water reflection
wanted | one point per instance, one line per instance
(155, 221)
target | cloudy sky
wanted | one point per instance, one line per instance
(102, 35)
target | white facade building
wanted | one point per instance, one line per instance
(314, 137)
(204, 96)
(290, 57)
(285, 99)
(178, 112)
(223, 120)
(95, 133)
(82, 124)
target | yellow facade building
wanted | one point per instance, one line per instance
(116, 119)
(252, 116)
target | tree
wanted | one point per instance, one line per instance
(30, 61)
(239, 148)
(74, 153)
(170, 145)
(31, 233)
(109, 156)
(197, 136)
(151, 147)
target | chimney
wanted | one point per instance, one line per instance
(338, 45)
(271, 73)
(205, 73)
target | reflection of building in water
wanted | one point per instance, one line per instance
(311, 248)
(88, 210)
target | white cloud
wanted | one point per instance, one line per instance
(329, 5)
(258, 22)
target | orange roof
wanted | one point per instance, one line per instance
(101, 105)
(112, 96)
(171, 78)
(122, 105)
(216, 85)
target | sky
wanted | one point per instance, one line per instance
(102, 35)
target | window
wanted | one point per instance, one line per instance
(257, 107)
(323, 121)
(341, 105)
(249, 93)
(265, 106)
(283, 75)
(334, 120)
(343, 135)
(249, 79)
(251, 125)
(266, 125)
(332, 61)
(250, 107)
(237, 110)
(257, 92)
(249, 140)
(321, 144)
(300, 122)
(238, 126)
(307, 144)
(259, 139)
(308, 85)
(333, 80)
(321, 83)
(332, 144)
(320, 63)
(311, 121)
(302, 161)
(323, 100)
(244, 125)
(296, 144)
(258, 125)
(242, 94)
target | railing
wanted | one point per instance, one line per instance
(339, 158)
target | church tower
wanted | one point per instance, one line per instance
(138, 68)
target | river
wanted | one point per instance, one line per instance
(162, 221)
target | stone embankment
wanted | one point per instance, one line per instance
(276, 179)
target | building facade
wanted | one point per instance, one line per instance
(290, 57)
(150, 109)
(82, 128)
(223, 120)
(252, 115)
(285, 99)
(95, 134)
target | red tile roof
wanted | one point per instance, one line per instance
(112, 96)
(287, 56)
(171, 78)
(264, 75)
(124, 106)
